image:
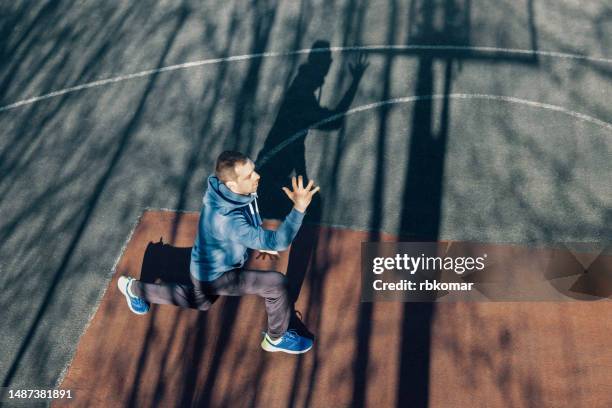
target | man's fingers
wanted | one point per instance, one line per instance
(288, 192)
(294, 183)
(310, 184)
(300, 182)
(314, 191)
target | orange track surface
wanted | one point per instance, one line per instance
(381, 354)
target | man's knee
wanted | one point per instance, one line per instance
(278, 283)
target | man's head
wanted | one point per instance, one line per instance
(319, 62)
(237, 172)
(320, 55)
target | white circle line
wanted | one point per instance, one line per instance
(416, 98)
(245, 57)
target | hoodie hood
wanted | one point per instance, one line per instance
(220, 197)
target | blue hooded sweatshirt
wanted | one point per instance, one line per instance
(230, 224)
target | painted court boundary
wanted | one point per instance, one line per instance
(120, 78)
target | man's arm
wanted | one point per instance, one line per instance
(357, 71)
(260, 238)
(279, 240)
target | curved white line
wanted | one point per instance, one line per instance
(409, 99)
(297, 52)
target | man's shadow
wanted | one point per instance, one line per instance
(169, 264)
(283, 153)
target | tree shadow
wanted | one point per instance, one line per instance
(92, 203)
(245, 115)
(422, 198)
(363, 330)
(423, 190)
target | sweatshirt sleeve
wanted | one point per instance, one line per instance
(260, 238)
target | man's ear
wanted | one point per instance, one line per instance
(231, 185)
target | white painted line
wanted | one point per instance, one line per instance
(246, 57)
(164, 209)
(411, 99)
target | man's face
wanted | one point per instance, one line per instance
(247, 179)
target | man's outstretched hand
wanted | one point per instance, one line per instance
(301, 196)
(358, 67)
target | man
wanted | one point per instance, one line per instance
(229, 225)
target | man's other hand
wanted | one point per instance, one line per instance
(301, 196)
(263, 254)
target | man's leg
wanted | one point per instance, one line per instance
(270, 285)
(182, 295)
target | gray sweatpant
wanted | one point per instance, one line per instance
(270, 285)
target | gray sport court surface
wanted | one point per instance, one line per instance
(78, 169)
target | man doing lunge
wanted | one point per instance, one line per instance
(229, 225)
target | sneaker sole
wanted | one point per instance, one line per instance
(123, 290)
(273, 349)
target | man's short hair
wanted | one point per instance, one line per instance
(226, 163)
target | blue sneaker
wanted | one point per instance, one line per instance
(136, 304)
(290, 342)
